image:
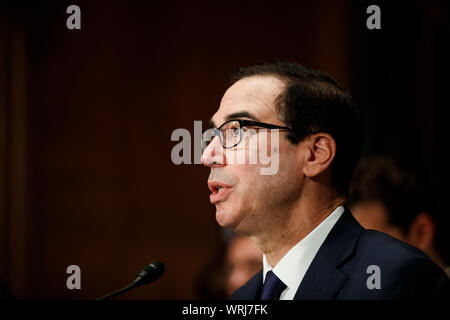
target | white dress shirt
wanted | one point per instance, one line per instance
(292, 267)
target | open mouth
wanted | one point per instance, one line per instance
(219, 191)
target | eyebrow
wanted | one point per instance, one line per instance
(235, 115)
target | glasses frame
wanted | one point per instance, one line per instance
(246, 123)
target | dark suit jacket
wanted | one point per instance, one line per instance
(339, 269)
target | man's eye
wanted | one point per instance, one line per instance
(232, 130)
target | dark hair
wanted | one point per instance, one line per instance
(314, 102)
(382, 179)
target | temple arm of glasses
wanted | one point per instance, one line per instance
(261, 124)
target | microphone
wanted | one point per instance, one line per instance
(150, 273)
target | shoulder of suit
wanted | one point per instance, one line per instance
(383, 246)
(398, 261)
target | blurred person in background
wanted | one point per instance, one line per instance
(243, 260)
(237, 260)
(386, 197)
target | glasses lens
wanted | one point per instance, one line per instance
(231, 132)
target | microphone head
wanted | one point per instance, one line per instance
(151, 272)
(158, 267)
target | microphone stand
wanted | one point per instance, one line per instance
(149, 274)
(118, 292)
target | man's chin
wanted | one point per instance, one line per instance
(225, 217)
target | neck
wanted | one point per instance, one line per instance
(296, 223)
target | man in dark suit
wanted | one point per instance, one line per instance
(313, 248)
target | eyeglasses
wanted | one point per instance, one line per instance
(230, 133)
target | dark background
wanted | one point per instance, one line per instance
(86, 118)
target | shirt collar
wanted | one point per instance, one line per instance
(293, 266)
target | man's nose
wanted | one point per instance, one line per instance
(213, 155)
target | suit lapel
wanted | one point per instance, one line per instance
(323, 280)
(251, 290)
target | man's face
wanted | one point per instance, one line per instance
(248, 201)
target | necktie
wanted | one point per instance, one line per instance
(272, 287)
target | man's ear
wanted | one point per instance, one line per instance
(320, 152)
(421, 232)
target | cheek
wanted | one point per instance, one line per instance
(285, 185)
(251, 184)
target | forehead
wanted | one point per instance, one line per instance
(254, 95)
